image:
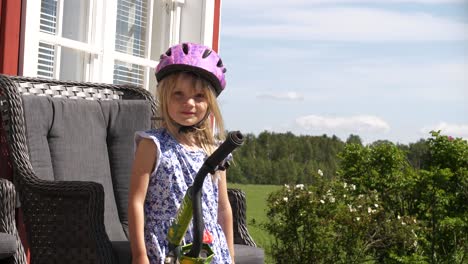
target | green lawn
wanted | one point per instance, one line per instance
(256, 196)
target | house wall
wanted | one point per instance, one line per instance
(10, 17)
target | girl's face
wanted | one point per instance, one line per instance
(187, 104)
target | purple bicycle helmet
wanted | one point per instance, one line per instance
(196, 58)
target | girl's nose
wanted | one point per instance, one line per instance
(189, 101)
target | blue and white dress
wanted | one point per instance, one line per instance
(174, 172)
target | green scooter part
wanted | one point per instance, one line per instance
(206, 255)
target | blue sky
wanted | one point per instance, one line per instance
(391, 69)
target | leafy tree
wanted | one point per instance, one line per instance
(442, 192)
(354, 139)
(418, 154)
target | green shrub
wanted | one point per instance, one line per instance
(378, 209)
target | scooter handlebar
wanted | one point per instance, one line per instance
(233, 140)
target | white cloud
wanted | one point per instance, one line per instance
(353, 124)
(289, 96)
(454, 130)
(383, 77)
(350, 24)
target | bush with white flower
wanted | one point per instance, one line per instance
(332, 223)
(378, 209)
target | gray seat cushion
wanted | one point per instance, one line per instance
(7, 245)
(248, 255)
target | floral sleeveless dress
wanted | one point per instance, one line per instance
(174, 172)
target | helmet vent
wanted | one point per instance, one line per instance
(185, 48)
(169, 52)
(220, 63)
(206, 53)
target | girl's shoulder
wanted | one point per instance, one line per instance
(160, 136)
(159, 133)
(155, 132)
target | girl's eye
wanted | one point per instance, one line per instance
(199, 97)
(178, 94)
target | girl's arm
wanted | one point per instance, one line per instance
(225, 212)
(143, 165)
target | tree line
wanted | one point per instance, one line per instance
(285, 158)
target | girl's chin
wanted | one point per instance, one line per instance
(186, 123)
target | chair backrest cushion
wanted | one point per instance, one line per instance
(85, 140)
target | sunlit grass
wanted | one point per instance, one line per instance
(256, 196)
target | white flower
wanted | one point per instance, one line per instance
(300, 186)
(322, 201)
(332, 199)
(285, 199)
(345, 185)
(320, 172)
(358, 218)
(353, 187)
(376, 205)
(398, 217)
(286, 186)
(369, 210)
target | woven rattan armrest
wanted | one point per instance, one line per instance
(238, 205)
(7, 220)
(66, 221)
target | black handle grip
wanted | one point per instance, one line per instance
(233, 140)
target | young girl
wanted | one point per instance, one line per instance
(190, 77)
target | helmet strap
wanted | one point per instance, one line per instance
(193, 128)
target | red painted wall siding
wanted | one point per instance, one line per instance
(10, 30)
(216, 25)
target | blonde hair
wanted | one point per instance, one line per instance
(204, 135)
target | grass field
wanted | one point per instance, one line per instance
(256, 196)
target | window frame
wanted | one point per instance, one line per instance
(164, 21)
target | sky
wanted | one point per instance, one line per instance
(384, 69)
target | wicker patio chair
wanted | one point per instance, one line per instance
(71, 146)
